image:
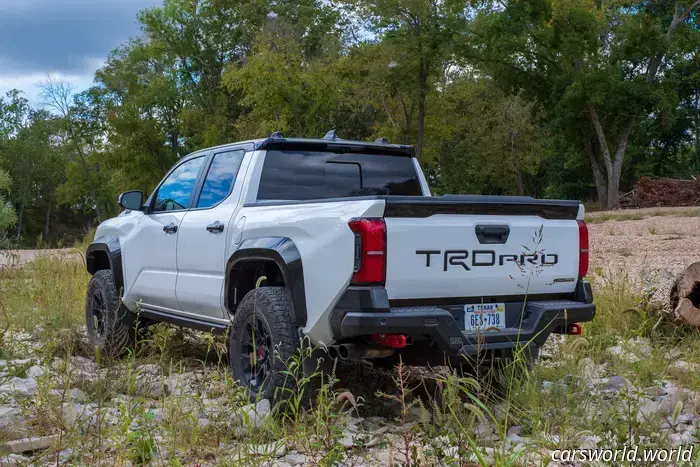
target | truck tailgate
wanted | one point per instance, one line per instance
(480, 247)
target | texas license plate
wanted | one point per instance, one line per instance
(485, 316)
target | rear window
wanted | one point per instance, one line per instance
(305, 175)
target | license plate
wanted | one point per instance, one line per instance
(484, 317)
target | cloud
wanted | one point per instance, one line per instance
(66, 37)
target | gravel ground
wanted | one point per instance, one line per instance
(21, 257)
(661, 244)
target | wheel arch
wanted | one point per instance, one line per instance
(269, 252)
(106, 253)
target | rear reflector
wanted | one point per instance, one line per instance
(370, 251)
(575, 329)
(583, 249)
(393, 341)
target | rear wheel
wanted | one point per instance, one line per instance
(110, 325)
(262, 340)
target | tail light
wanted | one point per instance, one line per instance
(582, 249)
(575, 329)
(370, 251)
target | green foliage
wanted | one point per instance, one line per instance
(497, 97)
(8, 217)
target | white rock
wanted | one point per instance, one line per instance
(19, 387)
(8, 416)
(29, 444)
(252, 415)
(35, 372)
(180, 384)
(79, 413)
(15, 459)
(682, 439)
(75, 395)
(295, 458)
(615, 384)
(622, 354)
(685, 367)
(269, 449)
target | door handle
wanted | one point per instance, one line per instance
(492, 234)
(216, 227)
(170, 228)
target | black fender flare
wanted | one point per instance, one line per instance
(285, 254)
(111, 246)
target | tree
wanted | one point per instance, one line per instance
(417, 40)
(600, 68)
(8, 217)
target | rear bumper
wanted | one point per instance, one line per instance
(366, 311)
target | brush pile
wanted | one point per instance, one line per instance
(651, 192)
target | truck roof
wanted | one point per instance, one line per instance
(328, 143)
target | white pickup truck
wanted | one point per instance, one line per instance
(340, 242)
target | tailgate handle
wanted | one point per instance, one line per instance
(490, 234)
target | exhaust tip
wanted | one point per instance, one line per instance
(343, 352)
(333, 352)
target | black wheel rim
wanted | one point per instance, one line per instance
(256, 352)
(97, 306)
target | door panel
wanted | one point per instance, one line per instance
(204, 233)
(154, 251)
(153, 243)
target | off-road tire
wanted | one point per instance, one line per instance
(273, 307)
(116, 332)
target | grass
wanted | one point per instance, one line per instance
(637, 214)
(462, 420)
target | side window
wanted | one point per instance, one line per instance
(219, 181)
(174, 193)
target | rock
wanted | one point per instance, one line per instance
(8, 416)
(295, 458)
(22, 362)
(414, 413)
(28, 444)
(615, 384)
(180, 384)
(15, 459)
(640, 346)
(623, 354)
(84, 368)
(34, 372)
(79, 413)
(655, 391)
(591, 370)
(682, 439)
(74, 395)
(269, 449)
(590, 442)
(484, 430)
(253, 415)
(648, 408)
(685, 367)
(514, 430)
(686, 419)
(19, 387)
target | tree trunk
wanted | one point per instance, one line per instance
(516, 165)
(20, 214)
(601, 183)
(47, 217)
(421, 126)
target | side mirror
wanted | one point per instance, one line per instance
(132, 200)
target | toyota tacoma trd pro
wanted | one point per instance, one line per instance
(339, 243)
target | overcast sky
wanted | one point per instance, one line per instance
(64, 38)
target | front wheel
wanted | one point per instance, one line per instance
(110, 325)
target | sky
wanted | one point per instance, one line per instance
(67, 39)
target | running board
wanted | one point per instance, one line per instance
(185, 322)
